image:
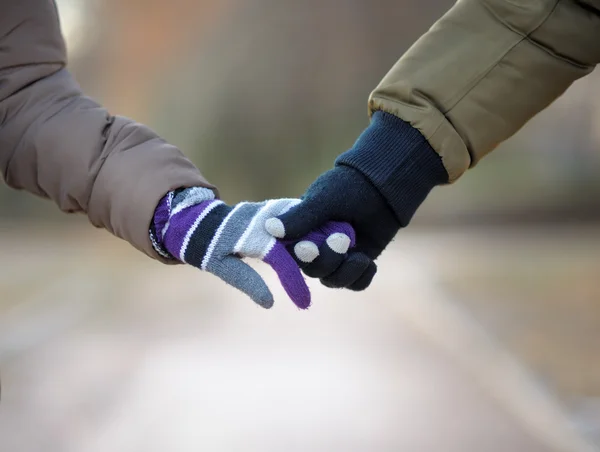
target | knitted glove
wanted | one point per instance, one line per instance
(193, 227)
(376, 187)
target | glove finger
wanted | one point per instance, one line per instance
(365, 279)
(240, 275)
(289, 275)
(334, 228)
(340, 234)
(331, 255)
(304, 252)
(348, 272)
(319, 235)
(296, 222)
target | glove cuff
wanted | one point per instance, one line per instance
(160, 219)
(182, 197)
(398, 161)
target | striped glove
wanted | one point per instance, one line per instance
(190, 225)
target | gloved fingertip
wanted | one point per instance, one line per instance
(339, 242)
(240, 275)
(265, 302)
(297, 289)
(306, 251)
(302, 302)
(365, 280)
(261, 295)
(289, 275)
(275, 227)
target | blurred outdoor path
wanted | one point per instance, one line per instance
(103, 349)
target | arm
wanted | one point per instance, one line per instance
(485, 69)
(474, 79)
(56, 143)
(59, 144)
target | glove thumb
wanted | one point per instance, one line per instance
(240, 275)
(295, 223)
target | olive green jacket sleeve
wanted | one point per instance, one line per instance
(485, 68)
(59, 144)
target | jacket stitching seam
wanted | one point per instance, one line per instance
(405, 104)
(440, 120)
(527, 37)
(101, 163)
(499, 60)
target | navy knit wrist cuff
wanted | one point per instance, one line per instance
(399, 162)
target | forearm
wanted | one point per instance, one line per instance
(485, 69)
(59, 144)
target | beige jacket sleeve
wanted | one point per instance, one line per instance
(59, 144)
(485, 68)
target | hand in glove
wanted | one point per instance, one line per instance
(376, 187)
(191, 226)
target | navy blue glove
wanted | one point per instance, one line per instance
(376, 187)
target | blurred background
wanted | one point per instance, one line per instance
(481, 332)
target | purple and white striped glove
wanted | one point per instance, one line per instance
(193, 227)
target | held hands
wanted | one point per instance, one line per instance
(193, 227)
(344, 221)
(346, 195)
